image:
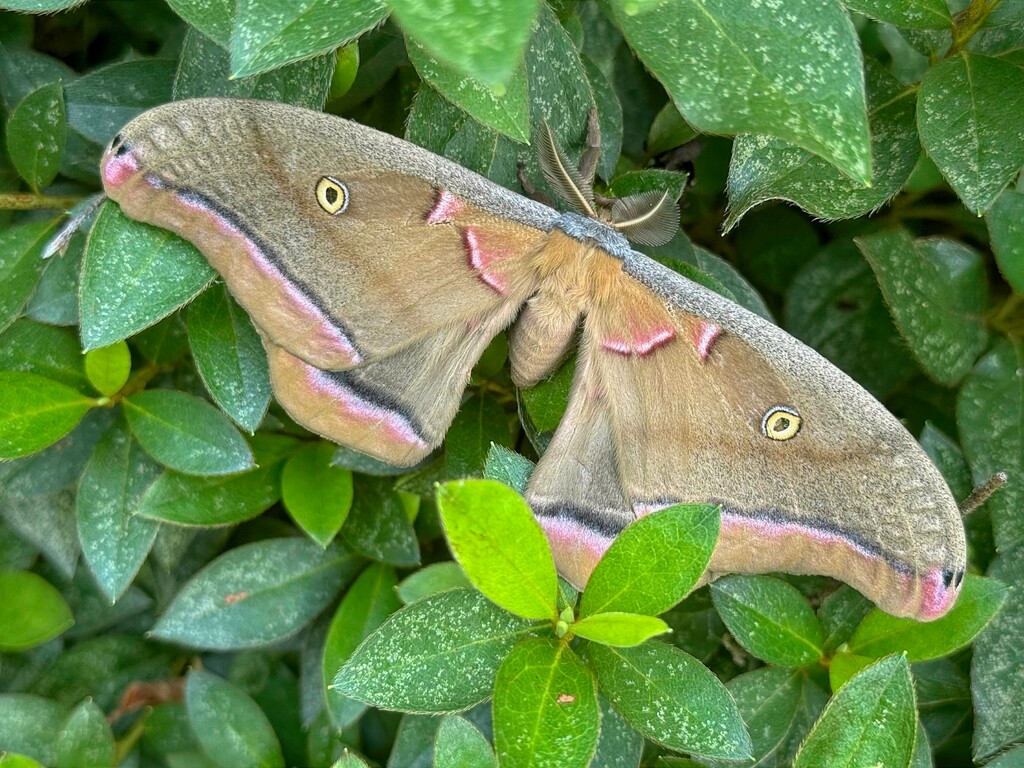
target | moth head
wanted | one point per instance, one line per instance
(648, 218)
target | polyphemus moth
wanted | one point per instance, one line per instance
(377, 273)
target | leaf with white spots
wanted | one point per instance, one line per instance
(937, 291)
(36, 134)
(968, 114)
(786, 69)
(440, 654)
(910, 14)
(766, 168)
(213, 18)
(459, 744)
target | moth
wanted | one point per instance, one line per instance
(377, 272)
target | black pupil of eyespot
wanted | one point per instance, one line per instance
(781, 424)
(332, 195)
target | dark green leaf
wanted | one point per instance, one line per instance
(840, 614)
(499, 544)
(316, 494)
(20, 266)
(186, 433)
(36, 133)
(101, 102)
(55, 300)
(40, 6)
(51, 352)
(480, 423)
(618, 746)
(378, 525)
(619, 629)
(507, 467)
(36, 412)
(30, 725)
(459, 744)
(1005, 221)
(86, 739)
(31, 612)
(769, 618)
(107, 368)
(256, 594)
(913, 14)
(439, 654)
(213, 18)
(768, 699)
(545, 708)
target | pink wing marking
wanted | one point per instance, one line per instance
(447, 207)
(482, 257)
(704, 336)
(640, 342)
(576, 548)
(117, 169)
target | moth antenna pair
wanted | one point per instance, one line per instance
(648, 218)
(982, 493)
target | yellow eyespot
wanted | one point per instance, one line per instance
(780, 423)
(332, 195)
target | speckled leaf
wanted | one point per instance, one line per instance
(997, 665)
(508, 467)
(40, 6)
(108, 367)
(936, 289)
(378, 526)
(654, 562)
(947, 456)
(439, 577)
(256, 594)
(229, 357)
(316, 494)
(618, 745)
(619, 629)
(672, 699)
(20, 266)
(768, 700)
(1005, 221)
(870, 721)
(133, 275)
(494, 536)
(367, 603)
(459, 744)
(30, 725)
(211, 17)
(735, 68)
(51, 352)
(484, 40)
(439, 654)
(766, 168)
(910, 14)
(36, 134)
(968, 114)
(115, 541)
(204, 70)
(268, 34)
(990, 414)
(840, 614)
(880, 634)
(230, 726)
(186, 434)
(36, 412)
(31, 613)
(769, 618)
(545, 708)
(86, 738)
(1012, 759)
(101, 102)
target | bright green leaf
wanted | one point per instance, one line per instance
(36, 133)
(619, 629)
(36, 412)
(439, 577)
(108, 367)
(844, 666)
(31, 612)
(316, 494)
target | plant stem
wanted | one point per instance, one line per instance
(31, 201)
(967, 23)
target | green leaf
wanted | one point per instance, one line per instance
(230, 726)
(30, 725)
(911, 14)
(108, 367)
(545, 708)
(654, 562)
(316, 494)
(213, 18)
(734, 69)
(378, 525)
(483, 40)
(500, 546)
(480, 424)
(880, 634)
(766, 168)
(1012, 759)
(870, 721)
(768, 700)
(508, 467)
(367, 603)
(844, 666)
(840, 615)
(36, 412)
(114, 540)
(205, 70)
(968, 114)
(55, 300)
(619, 629)
(936, 290)
(439, 654)
(256, 594)
(100, 103)
(545, 403)
(672, 699)
(459, 744)
(31, 613)
(42, 349)
(1005, 221)
(207, 501)
(439, 577)
(20, 266)
(229, 357)
(134, 275)
(40, 6)
(86, 739)
(268, 34)
(186, 433)
(769, 618)
(618, 745)
(36, 133)
(989, 414)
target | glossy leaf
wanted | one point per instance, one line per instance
(654, 562)
(186, 434)
(31, 612)
(317, 494)
(36, 133)
(968, 116)
(440, 654)
(133, 275)
(108, 367)
(500, 546)
(20, 266)
(619, 629)
(769, 618)
(672, 699)
(36, 412)
(545, 708)
(459, 744)
(936, 290)
(768, 699)
(255, 594)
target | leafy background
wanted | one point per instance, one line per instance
(184, 570)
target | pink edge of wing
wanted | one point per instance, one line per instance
(447, 207)
(118, 169)
(482, 259)
(576, 548)
(642, 342)
(324, 334)
(936, 597)
(704, 336)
